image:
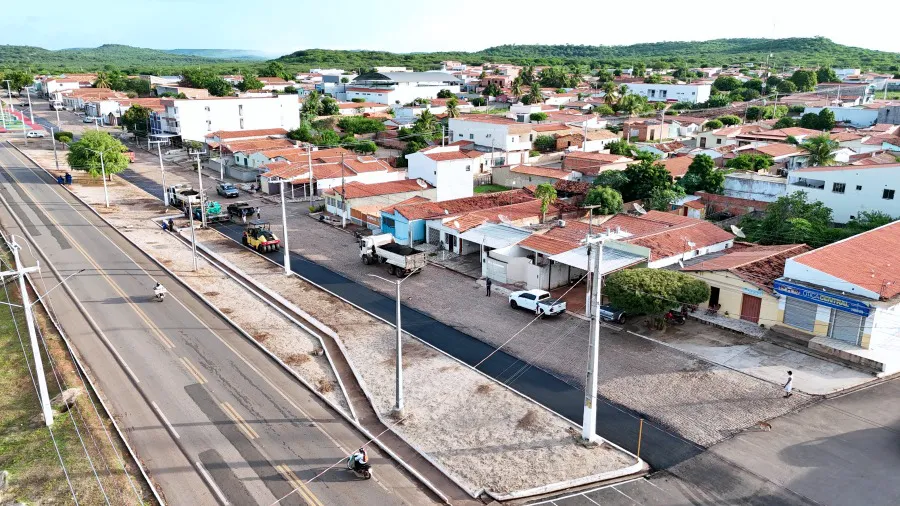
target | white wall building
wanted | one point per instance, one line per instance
(400, 87)
(194, 119)
(851, 189)
(755, 186)
(859, 118)
(447, 168)
(508, 140)
(693, 93)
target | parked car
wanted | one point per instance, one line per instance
(88, 119)
(610, 314)
(227, 190)
(538, 301)
(36, 134)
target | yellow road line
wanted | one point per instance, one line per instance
(239, 420)
(143, 316)
(193, 370)
(299, 486)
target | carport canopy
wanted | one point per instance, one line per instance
(613, 259)
(495, 235)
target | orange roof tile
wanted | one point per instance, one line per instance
(242, 134)
(677, 166)
(356, 189)
(541, 171)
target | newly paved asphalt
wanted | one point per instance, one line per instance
(232, 411)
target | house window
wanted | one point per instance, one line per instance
(531, 137)
(468, 168)
(242, 123)
(838, 187)
(888, 195)
(718, 141)
(858, 187)
(207, 108)
(460, 135)
(471, 136)
(663, 93)
(240, 109)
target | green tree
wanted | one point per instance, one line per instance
(804, 80)
(643, 176)
(516, 87)
(545, 143)
(621, 147)
(534, 94)
(713, 124)
(639, 69)
(703, 176)
(788, 219)
(772, 82)
(17, 79)
(537, 117)
(632, 104)
(826, 119)
(136, 118)
(330, 107)
(312, 105)
(749, 162)
(102, 81)
(365, 147)
(250, 82)
(547, 193)
(290, 90)
(303, 133)
(810, 120)
(614, 179)
(610, 90)
(452, 107)
(786, 87)
(653, 291)
(85, 154)
(661, 198)
(274, 69)
(653, 79)
(826, 75)
(63, 136)
(821, 150)
(360, 125)
(785, 122)
(727, 83)
(479, 102)
(219, 88)
(754, 84)
(444, 94)
(609, 200)
(603, 110)
(729, 120)
(491, 90)
(328, 138)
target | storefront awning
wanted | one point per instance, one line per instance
(495, 235)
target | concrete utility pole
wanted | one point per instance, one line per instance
(589, 422)
(398, 392)
(221, 164)
(202, 195)
(53, 139)
(287, 249)
(161, 170)
(30, 109)
(9, 93)
(103, 172)
(29, 322)
(343, 196)
(309, 164)
(193, 236)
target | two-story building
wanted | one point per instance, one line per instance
(693, 93)
(361, 203)
(447, 168)
(194, 119)
(400, 87)
(507, 141)
(849, 190)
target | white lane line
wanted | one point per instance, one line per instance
(165, 420)
(211, 483)
(589, 499)
(626, 495)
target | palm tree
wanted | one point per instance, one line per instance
(426, 122)
(452, 107)
(609, 93)
(821, 150)
(102, 81)
(622, 92)
(632, 104)
(534, 94)
(547, 194)
(516, 87)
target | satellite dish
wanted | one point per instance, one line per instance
(455, 224)
(640, 209)
(421, 183)
(503, 219)
(691, 244)
(738, 232)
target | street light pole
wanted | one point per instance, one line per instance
(193, 236)
(55, 156)
(202, 195)
(30, 109)
(35, 349)
(398, 405)
(103, 172)
(287, 249)
(162, 170)
(589, 421)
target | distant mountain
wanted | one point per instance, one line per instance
(796, 51)
(226, 54)
(132, 59)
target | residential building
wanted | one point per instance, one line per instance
(521, 176)
(450, 169)
(508, 142)
(194, 119)
(859, 118)
(276, 83)
(361, 108)
(724, 136)
(642, 130)
(246, 135)
(849, 190)
(693, 93)
(741, 280)
(176, 90)
(677, 165)
(361, 203)
(401, 87)
(753, 186)
(889, 115)
(329, 170)
(846, 297)
(730, 206)
(53, 85)
(588, 165)
(785, 157)
(573, 138)
(664, 149)
(112, 109)
(79, 98)
(684, 126)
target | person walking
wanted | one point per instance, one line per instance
(789, 385)
(487, 285)
(172, 225)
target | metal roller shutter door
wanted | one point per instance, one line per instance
(800, 314)
(845, 326)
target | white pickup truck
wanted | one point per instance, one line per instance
(538, 301)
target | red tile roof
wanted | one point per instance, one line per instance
(541, 171)
(426, 210)
(242, 134)
(674, 240)
(546, 245)
(870, 260)
(777, 150)
(355, 189)
(677, 166)
(448, 155)
(253, 146)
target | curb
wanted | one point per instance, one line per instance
(352, 421)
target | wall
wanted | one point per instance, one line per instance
(884, 328)
(765, 190)
(713, 141)
(800, 272)
(490, 134)
(850, 203)
(889, 115)
(692, 93)
(731, 295)
(857, 117)
(195, 121)
(503, 176)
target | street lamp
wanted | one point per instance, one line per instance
(398, 406)
(161, 170)
(103, 172)
(200, 180)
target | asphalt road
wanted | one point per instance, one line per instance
(231, 413)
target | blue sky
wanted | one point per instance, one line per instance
(427, 25)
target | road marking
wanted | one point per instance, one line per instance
(193, 370)
(205, 474)
(589, 499)
(165, 420)
(299, 486)
(626, 495)
(239, 421)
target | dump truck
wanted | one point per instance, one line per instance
(214, 212)
(402, 260)
(181, 194)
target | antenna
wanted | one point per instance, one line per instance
(738, 232)
(640, 209)
(504, 219)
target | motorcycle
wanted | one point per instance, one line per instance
(360, 469)
(159, 295)
(674, 318)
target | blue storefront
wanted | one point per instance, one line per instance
(823, 312)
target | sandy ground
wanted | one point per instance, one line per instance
(132, 215)
(482, 433)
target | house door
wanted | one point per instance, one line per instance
(750, 308)
(713, 296)
(702, 142)
(451, 242)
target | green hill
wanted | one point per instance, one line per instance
(226, 54)
(797, 51)
(132, 59)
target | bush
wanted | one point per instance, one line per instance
(534, 153)
(365, 147)
(604, 110)
(444, 94)
(545, 143)
(796, 109)
(63, 136)
(729, 120)
(479, 102)
(713, 124)
(360, 125)
(653, 291)
(357, 100)
(538, 116)
(785, 122)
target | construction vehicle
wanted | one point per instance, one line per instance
(258, 235)
(402, 260)
(241, 211)
(214, 212)
(182, 194)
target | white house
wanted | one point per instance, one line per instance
(195, 119)
(507, 140)
(850, 189)
(447, 168)
(752, 186)
(401, 87)
(275, 83)
(693, 93)
(857, 117)
(360, 108)
(362, 203)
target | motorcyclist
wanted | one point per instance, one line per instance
(360, 458)
(159, 291)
